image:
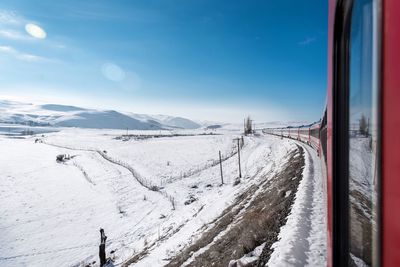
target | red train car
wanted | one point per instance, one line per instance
(360, 129)
(357, 137)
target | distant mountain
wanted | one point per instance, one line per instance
(60, 107)
(168, 121)
(106, 120)
(179, 122)
(71, 116)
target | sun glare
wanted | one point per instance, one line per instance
(35, 31)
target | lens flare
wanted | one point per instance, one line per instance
(35, 31)
(113, 72)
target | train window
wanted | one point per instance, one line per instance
(363, 137)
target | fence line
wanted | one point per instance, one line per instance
(139, 178)
(208, 165)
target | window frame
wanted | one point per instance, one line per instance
(340, 136)
(340, 128)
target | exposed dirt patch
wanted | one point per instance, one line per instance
(256, 217)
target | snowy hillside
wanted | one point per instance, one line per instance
(173, 122)
(13, 112)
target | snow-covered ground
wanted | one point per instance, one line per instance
(302, 241)
(52, 212)
(160, 160)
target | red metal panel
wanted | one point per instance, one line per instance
(390, 134)
(331, 21)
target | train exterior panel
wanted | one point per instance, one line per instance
(390, 168)
(357, 136)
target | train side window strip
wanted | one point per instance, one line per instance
(340, 237)
(364, 137)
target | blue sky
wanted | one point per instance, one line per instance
(206, 60)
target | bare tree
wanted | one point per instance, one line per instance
(248, 126)
(363, 128)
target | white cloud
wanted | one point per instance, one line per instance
(14, 35)
(11, 25)
(22, 56)
(10, 18)
(11, 28)
(60, 46)
(308, 41)
(31, 58)
(7, 49)
(14, 27)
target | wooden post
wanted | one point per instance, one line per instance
(220, 166)
(240, 170)
(102, 247)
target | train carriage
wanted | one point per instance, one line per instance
(304, 134)
(357, 136)
(314, 136)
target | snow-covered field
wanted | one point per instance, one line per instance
(51, 212)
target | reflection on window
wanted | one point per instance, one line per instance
(363, 138)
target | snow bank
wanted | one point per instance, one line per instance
(302, 240)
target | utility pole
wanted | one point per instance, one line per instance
(126, 131)
(240, 170)
(238, 146)
(220, 166)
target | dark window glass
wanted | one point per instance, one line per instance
(363, 134)
(315, 132)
